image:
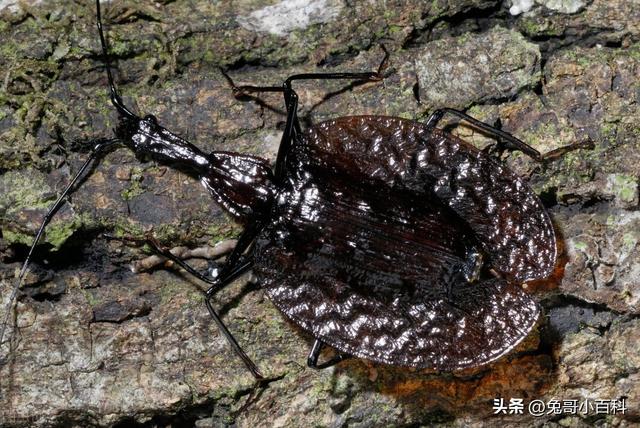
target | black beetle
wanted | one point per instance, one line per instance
(387, 239)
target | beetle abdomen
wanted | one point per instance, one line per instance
(370, 236)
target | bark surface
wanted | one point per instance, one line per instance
(90, 343)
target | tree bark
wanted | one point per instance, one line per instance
(92, 343)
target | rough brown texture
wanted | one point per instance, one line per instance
(93, 344)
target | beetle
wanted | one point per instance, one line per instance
(385, 238)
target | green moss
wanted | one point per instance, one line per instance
(135, 184)
(627, 195)
(532, 27)
(17, 238)
(389, 14)
(8, 49)
(624, 187)
(134, 189)
(608, 132)
(119, 46)
(629, 240)
(123, 230)
(632, 52)
(585, 61)
(25, 189)
(88, 295)
(436, 9)
(170, 289)
(209, 56)
(55, 234)
(58, 233)
(221, 231)
(579, 245)
(541, 134)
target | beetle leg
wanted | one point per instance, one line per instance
(209, 253)
(370, 75)
(312, 359)
(236, 257)
(561, 151)
(366, 76)
(506, 141)
(292, 126)
(236, 265)
(216, 284)
(102, 147)
(223, 328)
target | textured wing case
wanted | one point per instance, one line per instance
(479, 324)
(504, 213)
(366, 253)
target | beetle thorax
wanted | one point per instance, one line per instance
(241, 184)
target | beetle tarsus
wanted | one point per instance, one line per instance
(233, 342)
(383, 64)
(561, 151)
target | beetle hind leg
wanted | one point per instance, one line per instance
(314, 354)
(561, 151)
(505, 141)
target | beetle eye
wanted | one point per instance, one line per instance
(151, 118)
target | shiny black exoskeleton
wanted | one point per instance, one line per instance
(387, 239)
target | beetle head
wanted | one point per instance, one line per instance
(136, 132)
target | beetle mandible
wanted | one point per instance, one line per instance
(387, 239)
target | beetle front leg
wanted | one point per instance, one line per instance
(100, 149)
(236, 265)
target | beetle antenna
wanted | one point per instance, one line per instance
(98, 150)
(116, 100)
